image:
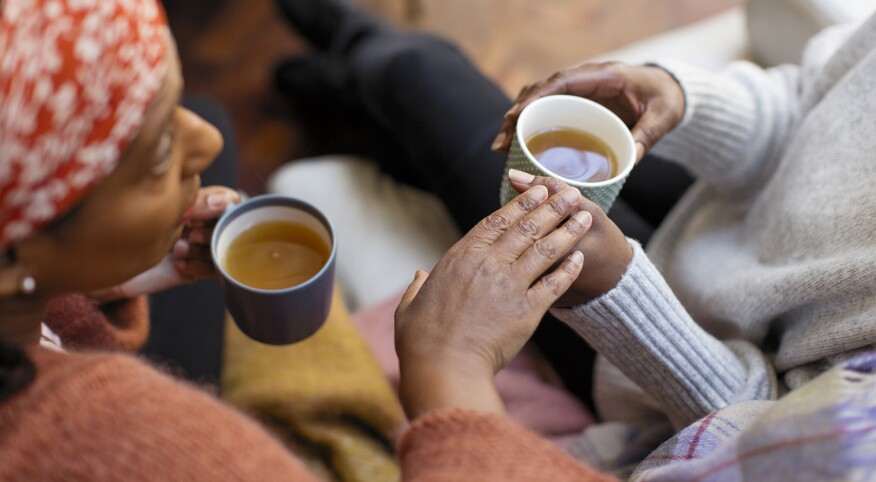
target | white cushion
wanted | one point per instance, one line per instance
(770, 32)
(708, 43)
(385, 230)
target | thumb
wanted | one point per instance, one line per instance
(160, 277)
(211, 202)
(650, 128)
(419, 278)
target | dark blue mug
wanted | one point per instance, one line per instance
(281, 316)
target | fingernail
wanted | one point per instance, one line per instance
(520, 176)
(539, 193)
(584, 218)
(217, 200)
(512, 110)
(571, 195)
(500, 139)
(181, 248)
(197, 237)
(577, 257)
(640, 150)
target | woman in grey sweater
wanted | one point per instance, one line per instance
(760, 278)
(764, 274)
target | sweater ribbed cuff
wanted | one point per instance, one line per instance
(715, 129)
(641, 327)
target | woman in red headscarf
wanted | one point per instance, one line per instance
(100, 194)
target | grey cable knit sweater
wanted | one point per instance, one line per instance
(764, 275)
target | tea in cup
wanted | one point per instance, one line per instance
(275, 255)
(573, 154)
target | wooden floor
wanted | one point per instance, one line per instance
(228, 48)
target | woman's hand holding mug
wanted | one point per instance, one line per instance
(646, 98)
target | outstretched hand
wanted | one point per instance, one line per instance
(190, 258)
(459, 325)
(646, 98)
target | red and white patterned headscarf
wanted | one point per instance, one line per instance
(76, 80)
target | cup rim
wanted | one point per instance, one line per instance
(611, 117)
(232, 212)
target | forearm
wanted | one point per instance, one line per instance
(431, 386)
(642, 328)
(734, 121)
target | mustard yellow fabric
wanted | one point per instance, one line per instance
(325, 396)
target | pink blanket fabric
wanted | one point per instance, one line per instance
(533, 395)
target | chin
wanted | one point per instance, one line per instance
(165, 246)
(172, 237)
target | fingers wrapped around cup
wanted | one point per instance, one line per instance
(647, 98)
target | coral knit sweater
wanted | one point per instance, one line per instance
(103, 416)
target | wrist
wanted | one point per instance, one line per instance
(429, 385)
(598, 280)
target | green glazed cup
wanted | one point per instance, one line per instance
(578, 113)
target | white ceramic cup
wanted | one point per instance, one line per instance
(578, 113)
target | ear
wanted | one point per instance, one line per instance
(8, 283)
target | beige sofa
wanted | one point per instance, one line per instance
(387, 231)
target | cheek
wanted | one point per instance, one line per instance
(154, 227)
(135, 241)
(135, 247)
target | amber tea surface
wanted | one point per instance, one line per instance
(573, 154)
(274, 255)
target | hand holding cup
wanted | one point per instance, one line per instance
(646, 98)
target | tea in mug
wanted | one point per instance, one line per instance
(573, 154)
(274, 255)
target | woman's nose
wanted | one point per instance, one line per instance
(201, 141)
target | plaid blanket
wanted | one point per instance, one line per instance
(825, 430)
